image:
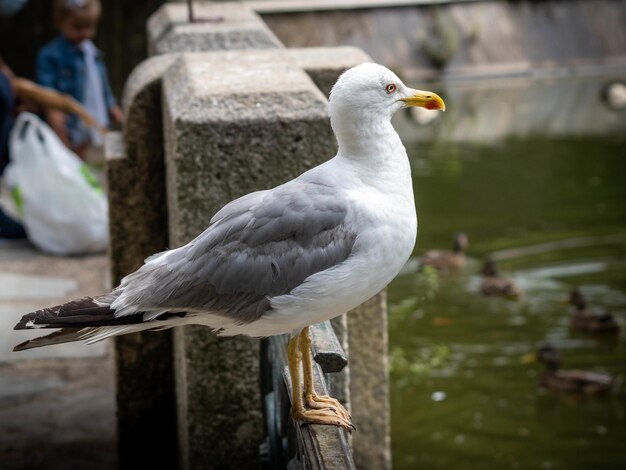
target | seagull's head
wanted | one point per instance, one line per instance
(372, 92)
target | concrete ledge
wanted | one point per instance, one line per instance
(242, 85)
(325, 64)
(169, 29)
(453, 37)
(138, 224)
(137, 178)
(149, 72)
(256, 124)
(369, 383)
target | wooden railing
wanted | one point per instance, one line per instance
(287, 444)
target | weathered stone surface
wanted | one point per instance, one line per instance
(456, 35)
(220, 422)
(138, 225)
(169, 29)
(325, 64)
(149, 72)
(146, 400)
(138, 214)
(369, 383)
(256, 124)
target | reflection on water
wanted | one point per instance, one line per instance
(551, 208)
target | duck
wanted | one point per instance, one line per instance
(445, 260)
(591, 321)
(495, 286)
(581, 382)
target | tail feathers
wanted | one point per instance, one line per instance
(93, 335)
(90, 320)
(85, 312)
(88, 335)
(61, 336)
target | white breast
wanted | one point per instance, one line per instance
(382, 212)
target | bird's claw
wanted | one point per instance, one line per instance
(322, 416)
(321, 402)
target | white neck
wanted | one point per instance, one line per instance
(366, 139)
(375, 152)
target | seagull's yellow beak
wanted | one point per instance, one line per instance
(424, 99)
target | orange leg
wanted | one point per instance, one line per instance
(311, 398)
(321, 415)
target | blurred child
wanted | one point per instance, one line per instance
(71, 64)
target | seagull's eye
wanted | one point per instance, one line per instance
(391, 88)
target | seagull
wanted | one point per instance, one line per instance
(276, 261)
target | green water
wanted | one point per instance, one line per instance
(461, 396)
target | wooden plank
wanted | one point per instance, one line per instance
(327, 351)
(323, 447)
(317, 447)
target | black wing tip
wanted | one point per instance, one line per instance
(31, 318)
(76, 311)
(23, 323)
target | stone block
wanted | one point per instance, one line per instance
(138, 228)
(325, 64)
(369, 383)
(234, 122)
(136, 177)
(169, 29)
(257, 123)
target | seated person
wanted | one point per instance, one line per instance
(9, 228)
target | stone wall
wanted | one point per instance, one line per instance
(460, 37)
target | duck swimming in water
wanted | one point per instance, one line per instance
(445, 260)
(495, 286)
(580, 382)
(591, 321)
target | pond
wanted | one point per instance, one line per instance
(535, 173)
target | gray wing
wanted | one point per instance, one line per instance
(259, 246)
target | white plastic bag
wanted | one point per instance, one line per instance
(63, 208)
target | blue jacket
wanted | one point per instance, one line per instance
(61, 66)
